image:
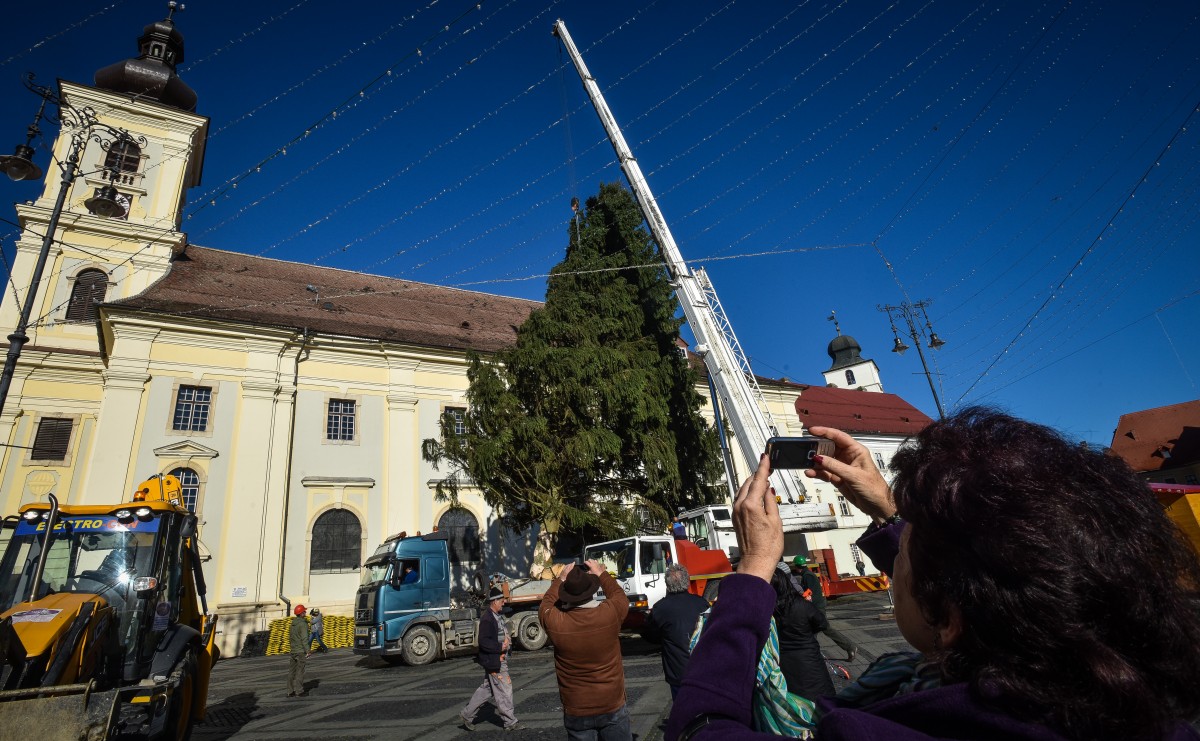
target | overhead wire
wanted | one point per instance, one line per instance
(61, 31)
(1087, 251)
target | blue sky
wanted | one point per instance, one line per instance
(1029, 167)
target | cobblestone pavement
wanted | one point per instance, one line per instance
(353, 698)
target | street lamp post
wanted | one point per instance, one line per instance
(908, 312)
(19, 166)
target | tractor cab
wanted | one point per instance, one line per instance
(104, 595)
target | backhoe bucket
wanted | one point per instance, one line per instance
(65, 713)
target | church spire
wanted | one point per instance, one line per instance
(151, 75)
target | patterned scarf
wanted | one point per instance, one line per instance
(775, 710)
(890, 675)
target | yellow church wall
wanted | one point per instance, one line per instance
(184, 355)
(76, 390)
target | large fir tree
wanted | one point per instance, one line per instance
(591, 420)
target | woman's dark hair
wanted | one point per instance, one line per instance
(1078, 595)
(785, 593)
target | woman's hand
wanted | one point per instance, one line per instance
(854, 474)
(757, 524)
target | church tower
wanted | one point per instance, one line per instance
(127, 150)
(850, 370)
(93, 258)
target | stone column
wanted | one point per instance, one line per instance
(402, 466)
(109, 474)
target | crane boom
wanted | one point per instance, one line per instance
(728, 368)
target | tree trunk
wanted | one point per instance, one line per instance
(543, 550)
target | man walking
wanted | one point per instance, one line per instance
(587, 652)
(318, 629)
(672, 622)
(299, 643)
(494, 645)
(809, 584)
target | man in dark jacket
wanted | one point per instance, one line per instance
(672, 622)
(808, 582)
(494, 644)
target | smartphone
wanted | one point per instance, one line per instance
(796, 452)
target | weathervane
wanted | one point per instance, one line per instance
(833, 318)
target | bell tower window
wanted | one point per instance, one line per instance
(87, 293)
(125, 159)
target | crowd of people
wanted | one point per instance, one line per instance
(1044, 592)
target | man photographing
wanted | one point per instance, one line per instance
(587, 651)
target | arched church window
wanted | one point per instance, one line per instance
(336, 542)
(189, 484)
(87, 293)
(849, 377)
(462, 529)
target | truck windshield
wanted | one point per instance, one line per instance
(617, 557)
(375, 572)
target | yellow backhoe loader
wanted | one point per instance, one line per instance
(104, 628)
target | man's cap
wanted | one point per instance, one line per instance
(579, 586)
(800, 560)
(495, 593)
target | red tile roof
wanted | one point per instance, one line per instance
(856, 411)
(1142, 438)
(214, 284)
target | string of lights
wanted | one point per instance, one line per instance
(245, 36)
(330, 115)
(1087, 251)
(363, 46)
(65, 29)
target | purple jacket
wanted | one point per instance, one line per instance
(719, 681)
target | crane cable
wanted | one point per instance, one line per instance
(572, 178)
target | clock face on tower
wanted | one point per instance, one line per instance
(125, 202)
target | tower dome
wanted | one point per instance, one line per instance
(843, 351)
(151, 75)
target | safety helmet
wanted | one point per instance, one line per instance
(315, 611)
(299, 610)
(800, 560)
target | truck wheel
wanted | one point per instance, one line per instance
(530, 635)
(711, 589)
(179, 714)
(420, 646)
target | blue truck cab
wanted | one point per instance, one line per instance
(410, 606)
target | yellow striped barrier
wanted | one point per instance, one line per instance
(339, 633)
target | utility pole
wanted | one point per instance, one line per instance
(909, 313)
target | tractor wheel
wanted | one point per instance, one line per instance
(182, 703)
(420, 646)
(530, 635)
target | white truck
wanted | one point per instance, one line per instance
(639, 562)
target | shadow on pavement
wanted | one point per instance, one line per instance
(227, 717)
